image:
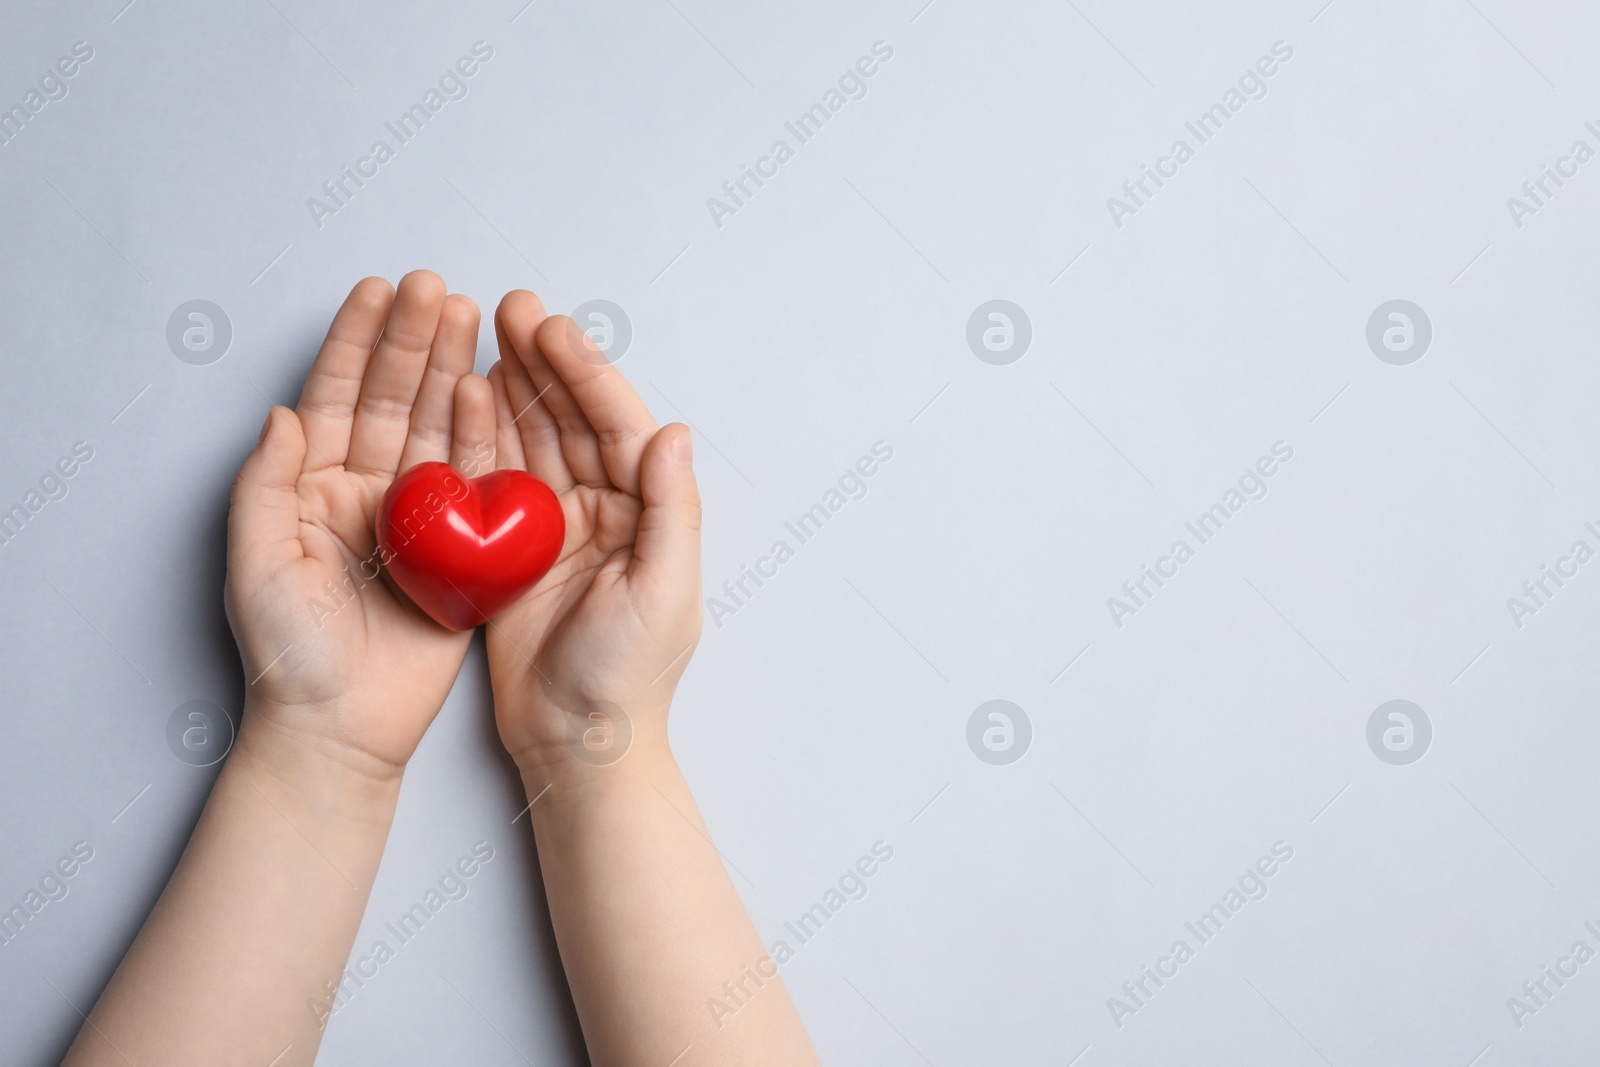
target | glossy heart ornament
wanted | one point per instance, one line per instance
(464, 548)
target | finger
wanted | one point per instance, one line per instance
(327, 404)
(394, 373)
(521, 311)
(666, 552)
(580, 448)
(519, 316)
(541, 436)
(508, 453)
(455, 347)
(622, 424)
(472, 446)
(264, 515)
(508, 442)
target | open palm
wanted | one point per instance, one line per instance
(329, 647)
(619, 613)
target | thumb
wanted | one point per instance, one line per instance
(264, 516)
(666, 551)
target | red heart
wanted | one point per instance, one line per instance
(464, 548)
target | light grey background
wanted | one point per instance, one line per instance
(829, 313)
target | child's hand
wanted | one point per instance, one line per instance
(648, 922)
(614, 622)
(331, 652)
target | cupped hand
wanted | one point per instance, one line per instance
(615, 621)
(332, 652)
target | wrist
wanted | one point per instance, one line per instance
(312, 772)
(558, 779)
(557, 735)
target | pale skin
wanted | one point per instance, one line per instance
(261, 912)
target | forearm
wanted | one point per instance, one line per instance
(234, 963)
(648, 922)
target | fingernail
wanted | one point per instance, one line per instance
(265, 426)
(683, 450)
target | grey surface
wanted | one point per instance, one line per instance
(831, 312)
